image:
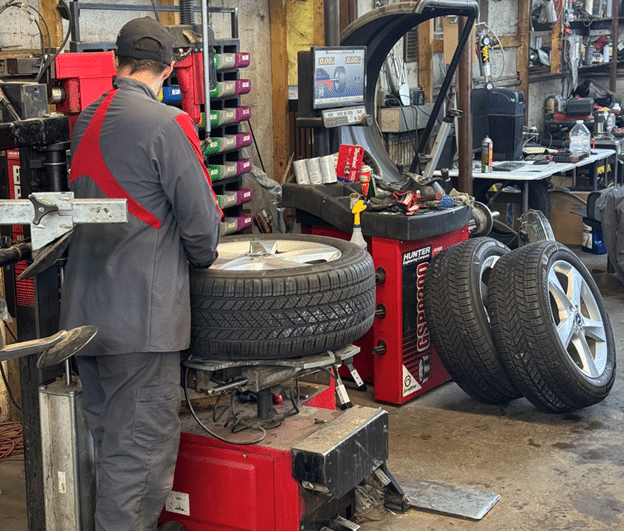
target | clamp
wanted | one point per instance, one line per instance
(54, 214)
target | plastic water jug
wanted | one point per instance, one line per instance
(580, 139)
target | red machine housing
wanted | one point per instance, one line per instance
(190, 74)
(226, 487)
(84, 78)
(397, 355)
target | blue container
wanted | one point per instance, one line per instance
(593, 239)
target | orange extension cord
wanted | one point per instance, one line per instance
(11, 440)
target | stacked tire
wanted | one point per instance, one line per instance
(529, 322)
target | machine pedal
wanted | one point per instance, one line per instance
(382, 477)
(347, 524)
(341, 391)
(356, 377)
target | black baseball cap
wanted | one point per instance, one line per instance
(138, 29)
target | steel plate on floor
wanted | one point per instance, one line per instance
(447, 499)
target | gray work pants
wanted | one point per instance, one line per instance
(131, 403)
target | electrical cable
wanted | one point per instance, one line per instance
(255, 144)
(70, 25)
(4, 377)
(25, 7)
(11, 439)
(208, 430)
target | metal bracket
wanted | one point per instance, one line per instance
(53, 214)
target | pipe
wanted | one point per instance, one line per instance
(56, 166)
(207, 59)
(614, 34)
(464, 135)
(331, 12)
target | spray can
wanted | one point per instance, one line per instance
(487, 155)
(365, 178)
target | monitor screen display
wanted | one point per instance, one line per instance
(339, 75)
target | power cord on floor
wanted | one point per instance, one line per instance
(11, 439)
(4, 376)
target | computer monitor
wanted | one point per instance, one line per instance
(339, 76)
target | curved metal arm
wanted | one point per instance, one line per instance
(34, 346)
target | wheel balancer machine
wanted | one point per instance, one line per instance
(397, 355)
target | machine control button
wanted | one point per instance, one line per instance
(347, 116)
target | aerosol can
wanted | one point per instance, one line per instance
(487, 155)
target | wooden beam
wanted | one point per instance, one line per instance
(522, 52)
(279, 92)
(169, 18)
(555, 47)
(48, 11)
(318, 9)
(425, 58)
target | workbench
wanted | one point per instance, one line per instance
(534, 172)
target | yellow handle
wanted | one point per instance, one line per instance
(359, 206)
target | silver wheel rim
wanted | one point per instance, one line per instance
(486, 270)
(262, 255)
(578, 320)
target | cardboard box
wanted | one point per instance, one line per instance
(401, 119)
(566, 216)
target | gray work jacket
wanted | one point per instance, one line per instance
(131, 280)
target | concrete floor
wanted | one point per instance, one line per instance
(553, 472)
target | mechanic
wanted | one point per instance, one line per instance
(132, 280)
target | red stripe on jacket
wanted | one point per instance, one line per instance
(88, 161)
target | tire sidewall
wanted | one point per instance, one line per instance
(484, 248)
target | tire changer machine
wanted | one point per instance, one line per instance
(302, 476)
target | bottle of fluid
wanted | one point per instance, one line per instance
(580, 139)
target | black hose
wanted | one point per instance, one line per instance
(15, 253)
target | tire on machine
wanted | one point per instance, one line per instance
(455, 300)
(551, 327)
(283, 312)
